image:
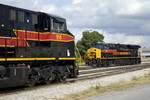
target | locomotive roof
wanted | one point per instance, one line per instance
(60, 19)
(51, 15)
(131, 45)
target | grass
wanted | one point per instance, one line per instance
(109, 88)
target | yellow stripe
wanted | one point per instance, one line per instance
(67, 58)
(25, 31)
(42, 32)
(19, 59)
(2, 59)
(46, 58)
(10, 52)
(51, 40)
(6, 46)
(25, 59)
(3, 37)
(58, 40)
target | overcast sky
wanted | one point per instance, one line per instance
(120, 21)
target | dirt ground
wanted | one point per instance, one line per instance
(145, 59)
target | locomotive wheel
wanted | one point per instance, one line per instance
(108, 64)
(32, 79)
(57, 79)
(63, 79)
(98, 63)
(94, 65)
(51, 79)
(31, 83)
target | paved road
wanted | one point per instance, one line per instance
(137, 93)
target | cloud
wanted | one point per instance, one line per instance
(49, 8)
(114, 38)
(120, 19)
(122, 38)
(117, 16)
(76, 1)
(130, 9)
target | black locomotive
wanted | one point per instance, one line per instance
(108, 54)
(34, 47)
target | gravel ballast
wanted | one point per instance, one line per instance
(51, 92)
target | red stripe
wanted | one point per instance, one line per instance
(110, 51)
(41, 36)
(12, 42)
(115, 53)
(45, 36)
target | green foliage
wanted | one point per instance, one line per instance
(87, 39)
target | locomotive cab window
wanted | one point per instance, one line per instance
(57, 26)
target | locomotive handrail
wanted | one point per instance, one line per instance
(78, 56)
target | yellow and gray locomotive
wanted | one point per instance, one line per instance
(108, 54)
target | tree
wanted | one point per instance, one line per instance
(87, 39)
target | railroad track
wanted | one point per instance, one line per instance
(86, 73)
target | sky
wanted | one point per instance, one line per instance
(120, 21)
